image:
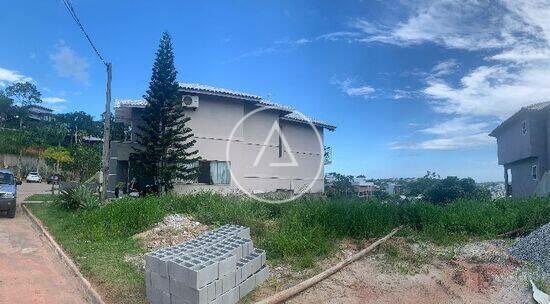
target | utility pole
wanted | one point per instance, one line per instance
(107, 116)
(107, 132)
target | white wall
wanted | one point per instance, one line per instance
(212, 123)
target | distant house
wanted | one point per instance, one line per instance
(38, 112)
(523, 142)
(214, 113)
(393, 189)
(363, 188)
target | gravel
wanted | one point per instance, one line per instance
(535, 248)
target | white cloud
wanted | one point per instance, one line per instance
(69, 64)
(445, 67)
(446, 143)
(404, 94)
(347, 87)
(457, 125)
(8, 76)
(460, 24)
(54, 100)
(513, 37)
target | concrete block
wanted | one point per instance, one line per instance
(229, 281)
(202, 274)
(230, 297)
(216, 301)
(219, 288)
(239, 273)
(148, 286)
(226, 264)
(246, 287)
(178, 268)
(160, 297)
(258, 255)
(211, 288)
(188, 295)
(160, 282)
(246, 267)
(262, 275)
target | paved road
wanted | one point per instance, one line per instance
(30, 271)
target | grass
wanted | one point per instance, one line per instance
(298, 233)
(42, 197)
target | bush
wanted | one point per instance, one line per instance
(80, 197)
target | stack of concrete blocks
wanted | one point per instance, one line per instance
(217, 267)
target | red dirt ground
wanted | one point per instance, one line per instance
(30, 271)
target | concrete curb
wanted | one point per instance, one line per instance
(35, 202)
(90, 292)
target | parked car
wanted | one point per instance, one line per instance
(8, 192)
(54, 178)
(34, 177)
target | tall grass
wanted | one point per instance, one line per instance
(310, 226)
(297, 232)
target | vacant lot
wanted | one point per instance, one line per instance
(295, 235)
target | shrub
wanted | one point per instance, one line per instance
(80, 197)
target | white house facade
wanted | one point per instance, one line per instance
(266, 147)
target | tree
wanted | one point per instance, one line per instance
(87, 161)
(6, 108)
(340, 185)
(443, 191)
(166, 146)
(24, 93)
(59, 155)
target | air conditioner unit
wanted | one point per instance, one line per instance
(189, 101)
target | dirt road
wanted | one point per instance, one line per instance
(30, 271)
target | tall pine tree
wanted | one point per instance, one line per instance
(166, 142)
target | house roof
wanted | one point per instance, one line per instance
(36, 106)
(362, 182)
(130, 103)
(536, 107)
(290, 113)
(298, 117)
(201, 88)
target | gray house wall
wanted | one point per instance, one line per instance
(523, 184)
(212, 123)
(519, 152)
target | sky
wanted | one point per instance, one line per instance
(411, 85)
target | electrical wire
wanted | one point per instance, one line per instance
(72, 12)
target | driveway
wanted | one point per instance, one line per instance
(30, 271)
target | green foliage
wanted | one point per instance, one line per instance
(80, 197)
(443, 191)
(166, 142)
(80, 122)
(340, 186)
(24, 93)
(6, 108)
(87, 161)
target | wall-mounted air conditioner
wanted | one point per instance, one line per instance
(189, 101)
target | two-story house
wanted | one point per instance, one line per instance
(221, 117)
(38, 112)
(523, 142)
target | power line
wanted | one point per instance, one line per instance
(72, 12)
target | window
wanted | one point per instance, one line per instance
(214, 172)
(6, 178)
(524, 127)
(534, 172)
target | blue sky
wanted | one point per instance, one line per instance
(411, 85)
